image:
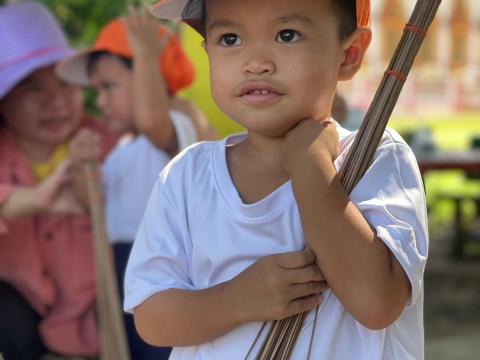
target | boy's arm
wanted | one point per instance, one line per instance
(205, 131)
(187, 318)
(151, 99)
(358, 266)
(274, 288)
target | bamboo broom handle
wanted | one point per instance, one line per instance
(113, 343)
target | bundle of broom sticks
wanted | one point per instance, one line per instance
(113, 341)
(282, 335)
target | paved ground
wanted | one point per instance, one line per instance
(452, 303)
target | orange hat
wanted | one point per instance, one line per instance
(176, 67)
(363, 13)
(190, 11)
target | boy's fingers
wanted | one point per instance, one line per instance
(294, 260)
(131, 12)
(305, 274)
(303, 305)
(145, 13)
(312, 288)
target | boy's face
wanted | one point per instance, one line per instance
(113, 82)
(43, 109)
(273, 62)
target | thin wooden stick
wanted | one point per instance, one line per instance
(113, 341)
(366, 143)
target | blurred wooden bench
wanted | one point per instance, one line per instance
(468, 162)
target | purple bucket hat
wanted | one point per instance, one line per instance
(30, 39)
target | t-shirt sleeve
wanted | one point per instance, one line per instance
(5, 191)
(184, 129)
(392, 199)
(159, 259)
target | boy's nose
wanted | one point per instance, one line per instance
(259, 65)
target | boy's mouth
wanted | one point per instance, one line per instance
(259, 92)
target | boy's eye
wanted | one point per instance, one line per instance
(230, 40)
(287, 36)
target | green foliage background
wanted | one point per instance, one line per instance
(83, 19)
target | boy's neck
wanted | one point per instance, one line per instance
(256, 167)
(266, 150)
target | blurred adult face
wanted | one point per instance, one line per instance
(113, 81)
(42, 109)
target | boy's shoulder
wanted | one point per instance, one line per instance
(392, 156)
(195, 159)
(391, 139)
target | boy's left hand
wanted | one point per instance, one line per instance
(309, 143)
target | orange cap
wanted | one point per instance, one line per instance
(363, 13)
(176, 67)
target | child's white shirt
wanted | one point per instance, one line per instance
(129, 174)
(197, 233)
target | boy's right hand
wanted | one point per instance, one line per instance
(278, 286)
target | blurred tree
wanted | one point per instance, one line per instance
(82, 20)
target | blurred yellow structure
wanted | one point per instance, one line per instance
(200, 91)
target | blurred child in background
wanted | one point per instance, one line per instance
(136, 66)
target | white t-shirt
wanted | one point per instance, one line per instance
(129, 174)
(198, 233)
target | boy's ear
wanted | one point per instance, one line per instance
(354, 49)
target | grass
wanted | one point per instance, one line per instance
(450, 132)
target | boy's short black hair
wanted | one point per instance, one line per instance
(345, 10)
(95, 57)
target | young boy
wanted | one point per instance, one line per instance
(202, 276)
